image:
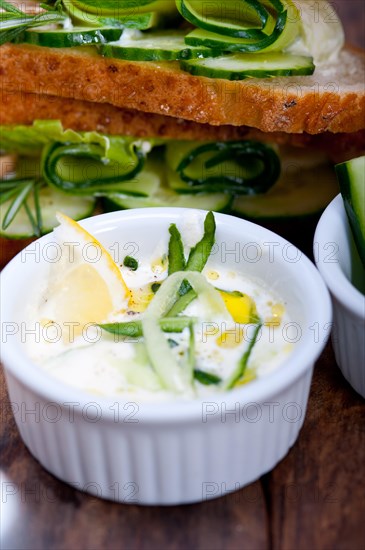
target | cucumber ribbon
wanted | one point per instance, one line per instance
(77, 162)
(245, 25)
(176, 374)
(132, 14)
(93, 163)
(239, 168)
(172, 376)
(123, 162)
(248, 25)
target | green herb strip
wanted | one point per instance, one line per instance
(242, 365)
(176, 251)
(134, 328)
(155, 287)
(199, 255)
(197, 260)
(206, 378)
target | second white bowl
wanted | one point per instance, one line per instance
(338, 261)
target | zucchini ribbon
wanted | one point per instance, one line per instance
(242, 26)
(91, 163)
(236, 167)
(83, 167)
(141, 14)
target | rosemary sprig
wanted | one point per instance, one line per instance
(17, 203)
(10, 8)
(13, 21)
(36, 218)
(37, 208)
(17, 191)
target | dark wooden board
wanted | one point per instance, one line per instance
(317, 493)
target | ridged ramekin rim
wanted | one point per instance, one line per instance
(339, 285)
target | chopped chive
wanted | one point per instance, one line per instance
(130, 262)
(172, 343)
(134, 328)
(242, 365)
(206, 378)
(155, 287)
(182, 303)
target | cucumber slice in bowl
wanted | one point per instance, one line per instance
(240, 66)
(69, 38)
(50, 202)
(351, 177)
(298, 193)
(155, 46)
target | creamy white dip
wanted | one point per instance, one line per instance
(115, 366)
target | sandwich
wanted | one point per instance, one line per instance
(239, 107)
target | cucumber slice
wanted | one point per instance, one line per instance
(240, 66)
(297, 193)
(146, 183)
(68, 38)
(217, 202)
(243, 26)
(351, 177)
(155, 46)
(51, 201)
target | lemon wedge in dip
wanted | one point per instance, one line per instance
(85, 286)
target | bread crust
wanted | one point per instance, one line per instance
(331, 100)
(22, 108)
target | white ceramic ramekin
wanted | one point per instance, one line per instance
(174, 452)
(340, 266)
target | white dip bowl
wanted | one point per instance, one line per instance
(177, 451)
(338, 261)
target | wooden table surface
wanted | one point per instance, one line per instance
(314, 498)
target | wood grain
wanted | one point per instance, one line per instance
(317, 496)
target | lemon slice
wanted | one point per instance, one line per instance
(86, 286)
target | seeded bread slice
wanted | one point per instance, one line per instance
(331, 100)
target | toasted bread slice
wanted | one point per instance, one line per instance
(22, 108)
(331, 100)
